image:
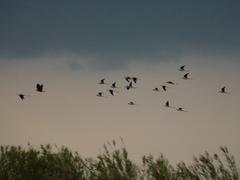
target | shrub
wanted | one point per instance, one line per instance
(46, 163)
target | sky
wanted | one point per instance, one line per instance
(70, 45)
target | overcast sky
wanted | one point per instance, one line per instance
(70, 46)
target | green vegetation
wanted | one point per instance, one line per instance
(48, 163)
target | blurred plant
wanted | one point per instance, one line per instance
(46, 163)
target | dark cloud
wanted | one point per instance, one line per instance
(111, 33)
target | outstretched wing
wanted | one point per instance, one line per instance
(167, 104)
(38, 86)
(186, 75)
(114, 84)
(134, 79)
(130, 84)
(164, 88)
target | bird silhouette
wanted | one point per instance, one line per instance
(135, 79)
(170, 82)
(129, 86)
(131, 103)
(127, 78)
(100, 94)
(22, 96)
(182, 68)
(39, 88)
(223, 89)
(167, 104)
(111, 92)
(164, 88)
(156, 89)
(185, 76)
(181, 109)
(113, 85)
(102, 81)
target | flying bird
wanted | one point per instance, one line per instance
(22, 96)
(129, 86)
(102, 81)
(134, 79)
(182, 68)
(223, 89)
(127, 78)
(181, 109)
(39, 88)
(170, 82)
(100, 94)
(185, 76)
(167, 104)
(156, 89)
(131, 103)
(113, 85)
(111, 92)
(164, 87)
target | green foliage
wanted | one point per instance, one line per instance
(114, 165)
(209, 167)
(157, 169)
(48, 163)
